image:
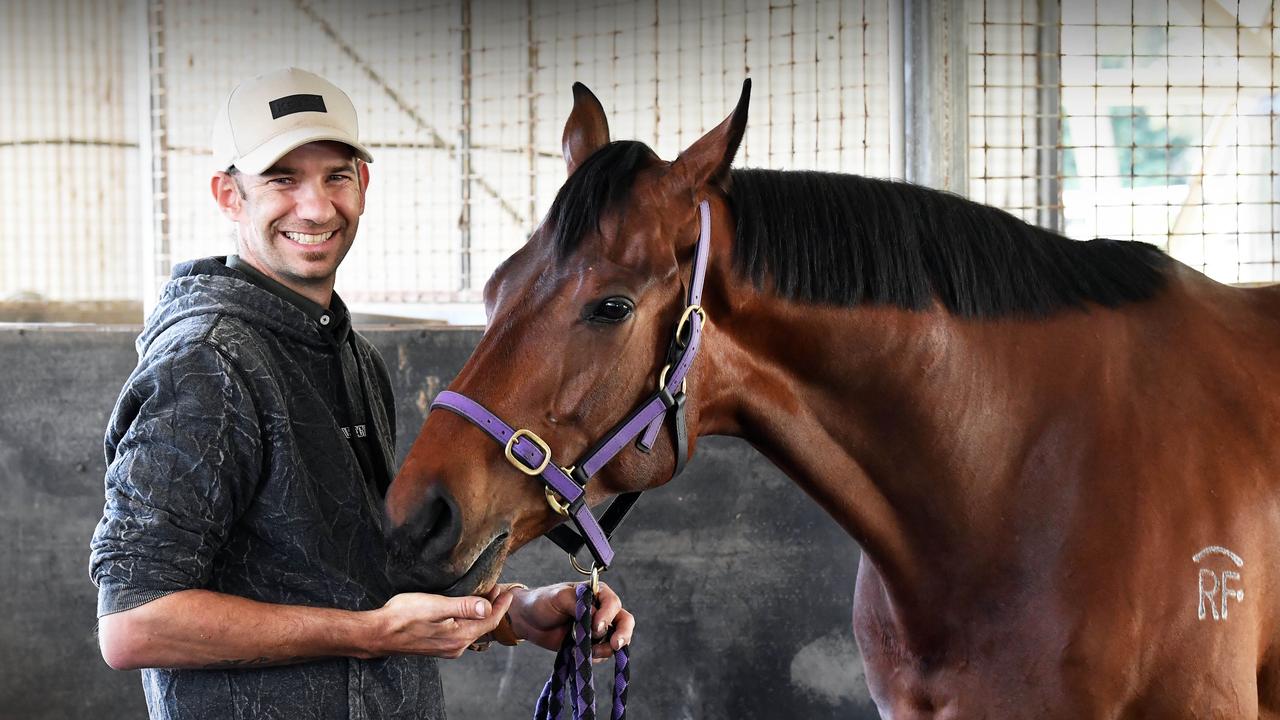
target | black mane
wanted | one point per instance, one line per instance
(845, 240)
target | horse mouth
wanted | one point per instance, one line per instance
(483, 571)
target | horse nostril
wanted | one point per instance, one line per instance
(431, 532)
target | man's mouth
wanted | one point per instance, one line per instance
(308, 239)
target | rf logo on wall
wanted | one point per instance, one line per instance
(1213, 584)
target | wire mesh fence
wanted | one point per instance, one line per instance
(462, 103)
(68, 143)
(1166, 117)
(1153, 120)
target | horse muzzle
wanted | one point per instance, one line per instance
(421, 548)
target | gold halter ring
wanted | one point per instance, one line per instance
(593, 573)
(684, 320)
(662, 379)
(554, 499)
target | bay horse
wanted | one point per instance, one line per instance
(1060, 458)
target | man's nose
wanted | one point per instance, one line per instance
(314, 204)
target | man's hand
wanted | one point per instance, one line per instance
(543, 615)
(423, 624)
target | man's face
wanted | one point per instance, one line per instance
(298, 219)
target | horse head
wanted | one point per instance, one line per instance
(581, 322)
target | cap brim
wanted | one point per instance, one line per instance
(258, 160)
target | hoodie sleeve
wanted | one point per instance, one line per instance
(184, 457)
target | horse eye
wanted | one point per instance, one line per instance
(612, 310)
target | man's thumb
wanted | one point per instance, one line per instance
(472, 608)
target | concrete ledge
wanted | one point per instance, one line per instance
(741, 585)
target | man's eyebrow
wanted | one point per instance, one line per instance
(279, 170)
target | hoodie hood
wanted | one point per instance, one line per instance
(208, 287)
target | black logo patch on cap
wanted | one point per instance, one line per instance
(290, 104)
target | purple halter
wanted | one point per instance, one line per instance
(566, 487)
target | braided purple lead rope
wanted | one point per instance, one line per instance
(551, 701)
(621, 681)
(572, 671)
(584, 696)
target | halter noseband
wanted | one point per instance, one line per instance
(566, 486)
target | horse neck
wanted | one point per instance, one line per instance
(888, 418)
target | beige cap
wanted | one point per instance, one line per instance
(266, 117)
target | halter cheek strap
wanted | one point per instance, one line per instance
(532, 456)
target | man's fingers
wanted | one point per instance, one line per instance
(501, 604)
(610, 613)
(426, 624)
(610, 605)
(624, 626)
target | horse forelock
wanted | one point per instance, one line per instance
(846, 240)
(603, 181)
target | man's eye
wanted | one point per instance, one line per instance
(612, 310)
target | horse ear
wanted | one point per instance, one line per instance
(586, 130)
(708, 159)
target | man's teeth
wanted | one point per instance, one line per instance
(305, 239)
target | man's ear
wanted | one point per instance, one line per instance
(708, 159)
(362, 170)
(586, 130)
(226, 192)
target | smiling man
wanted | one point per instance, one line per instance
(240, 558)
(298, 217)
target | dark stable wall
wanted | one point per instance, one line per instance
(741, 585)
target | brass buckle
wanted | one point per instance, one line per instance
(684, 320)
(517, 462)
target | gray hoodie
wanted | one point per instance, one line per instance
(231, 466)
